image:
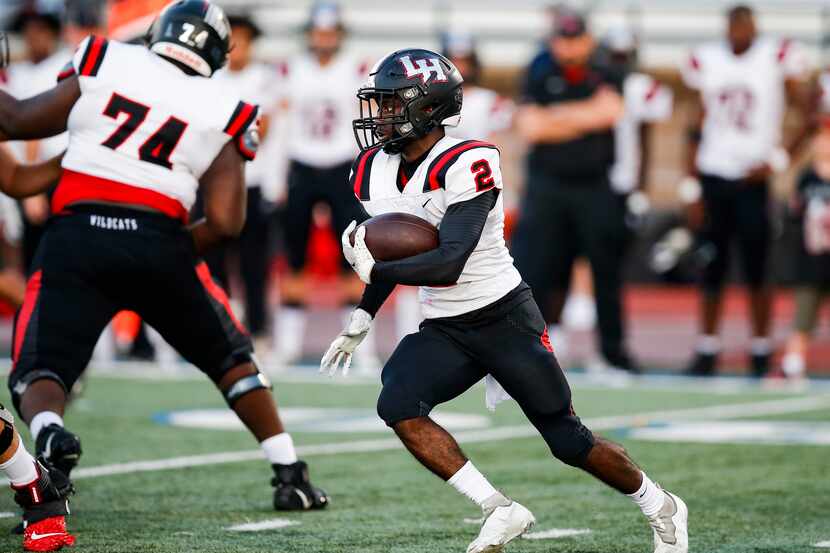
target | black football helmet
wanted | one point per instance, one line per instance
(409, 93)
(192, 33)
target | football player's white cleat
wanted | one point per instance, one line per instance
(504, 520)
(670, 525)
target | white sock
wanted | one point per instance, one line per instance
(42, 420)
(708, 344)
(760, 345)
(793, 364)
(470, 482)
(279, 449)
(649, 497)
(21, 468)
(289, 328)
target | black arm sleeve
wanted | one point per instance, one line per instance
(457, 238)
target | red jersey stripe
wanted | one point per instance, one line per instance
(26, 310)
(76, 187)
(444, 158)
(237, 125)
(92, 58)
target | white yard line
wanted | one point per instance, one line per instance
(715, 412)
(9, 515)
(822, 544)
(271, 524)
(556, 533)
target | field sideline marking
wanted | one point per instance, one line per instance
(822, 544)
(556, 533)
(713, 412)
(270, 524)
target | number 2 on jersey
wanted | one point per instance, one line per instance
(159, 147)
(483, 175)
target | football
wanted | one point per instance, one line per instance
(393, 236)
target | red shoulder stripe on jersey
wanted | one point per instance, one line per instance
(362, 172)
(25, 315)
(77, 187)
(93, 57)
(441, 164)
(652, 91)
(242, 117)
(785, 47)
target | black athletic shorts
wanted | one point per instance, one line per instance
(736, 210)
(95, 261)
(507, 339)
(308, 186)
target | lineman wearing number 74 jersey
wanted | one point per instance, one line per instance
(481, 317)
(147, 128)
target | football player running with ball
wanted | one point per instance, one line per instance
(120, 238)
(481, 317)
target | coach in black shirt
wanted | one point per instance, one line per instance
(571, 102)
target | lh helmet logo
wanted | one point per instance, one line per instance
(424, 68)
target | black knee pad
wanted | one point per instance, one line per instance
(7, 434)
(395, 406)
(20, 382)
(569, 440)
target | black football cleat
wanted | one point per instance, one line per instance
(58, 448)
(294, 491)
(703, 364)
(760, 364)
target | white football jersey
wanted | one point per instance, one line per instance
(322, 103)
(483, 113)
(646, 101)
(27, 79)
(744, 100)
(144, 132)
(258, 83)
(454, 171)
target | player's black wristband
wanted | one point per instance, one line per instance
(374, 296)
(694, 135)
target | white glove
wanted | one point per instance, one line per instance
(358, 256)
(341, 349)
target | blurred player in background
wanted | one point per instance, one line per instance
(256, 83)
(44, 503)
(485, 112)
(571, 104)
(742, 87)
(137, 154)
(319, 106)
(810, 208)
(46, 56)
(481, 318)
(647, 101)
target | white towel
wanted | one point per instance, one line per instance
(494, 393)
